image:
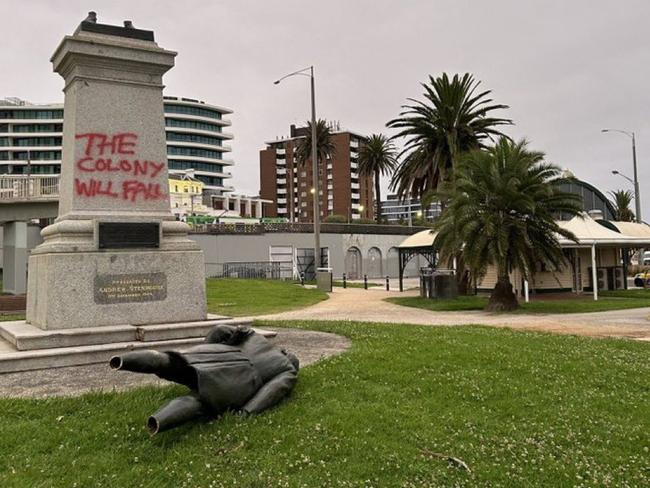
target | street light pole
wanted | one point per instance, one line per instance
(637, 193)
(314, 162)
(314, 165)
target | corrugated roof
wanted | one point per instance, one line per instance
(586, 229)
(589, 232)
(633, 229)
(423, 238)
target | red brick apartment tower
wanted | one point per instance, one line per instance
(287, 183)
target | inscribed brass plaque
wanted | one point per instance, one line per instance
(126, 288)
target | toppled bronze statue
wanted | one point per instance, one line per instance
(236, 369)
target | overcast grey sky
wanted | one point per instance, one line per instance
(566, 68)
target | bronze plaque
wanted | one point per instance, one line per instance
(126, 288)
(129, 235)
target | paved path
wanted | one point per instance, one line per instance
(309, 346)
(369, 306)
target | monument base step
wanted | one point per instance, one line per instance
(27, 337)
(90, 353)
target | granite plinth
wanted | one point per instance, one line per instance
(67, 295)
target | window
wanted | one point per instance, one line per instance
(192, 124)
(38, 128)
(37, 155)
(196, 165)
(38, 141)
(176, 188)
(193, 151)
(201, 139)
(189, 110)
(31, 114)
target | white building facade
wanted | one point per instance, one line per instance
(31, 140)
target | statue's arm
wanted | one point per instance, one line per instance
(271, 393)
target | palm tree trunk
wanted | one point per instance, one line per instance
(503, 297)
(377, 197)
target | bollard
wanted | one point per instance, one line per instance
(387, 283)
(365, 282)
(345, 283)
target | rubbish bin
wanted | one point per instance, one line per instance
(444, 285)
(426, 282)
(438, 283)
(324, 279)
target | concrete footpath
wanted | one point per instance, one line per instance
(369, 306)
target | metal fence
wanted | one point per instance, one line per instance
(326, 227)
(29, 187)
(246, 270)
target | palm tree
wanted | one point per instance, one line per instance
(452, 119)
(377, 156)
(622, 199)
(324, 146)
(501, 207)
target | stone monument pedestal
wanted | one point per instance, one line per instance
(115, 254)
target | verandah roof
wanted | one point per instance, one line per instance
(586, 229)
(590, 232)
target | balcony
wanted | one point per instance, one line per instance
(282, 201)
(354, 186)
(354, 143)
(281, 171)
(281, 181)
(280, 151)
(354, 165)
(17, 188)
(282, 191)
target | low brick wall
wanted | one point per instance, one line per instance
(12, 303)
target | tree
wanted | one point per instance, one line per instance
(501, 207)
(377, 156)
(324, 146)
(622, 199)
(453, 118)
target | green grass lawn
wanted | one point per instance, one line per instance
(613, 300)
(520, 408)
(238, 297)
(635, 293)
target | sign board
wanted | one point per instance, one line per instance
(126, 288)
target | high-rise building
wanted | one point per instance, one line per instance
(395, 210)
(31, 140)
(288, 183)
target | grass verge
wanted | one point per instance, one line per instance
(239, 297)
(607, 301)
(520, 408)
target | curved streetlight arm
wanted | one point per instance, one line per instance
(300, 72)
(627, 133)
(615, 172)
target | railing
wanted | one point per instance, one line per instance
(331, 228)
(15, 188)
(247, 270)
